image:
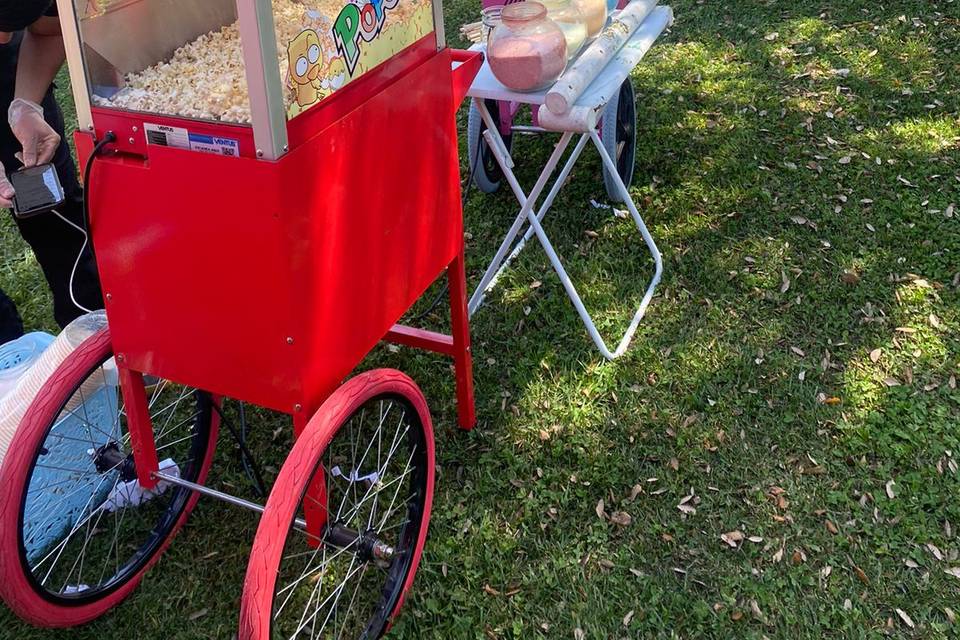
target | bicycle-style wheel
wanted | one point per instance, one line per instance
(484, 168)
(340, 540)
(76, 531)
(618, 132)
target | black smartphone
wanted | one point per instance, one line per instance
(38, 190)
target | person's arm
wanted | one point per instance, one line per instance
(41, 56)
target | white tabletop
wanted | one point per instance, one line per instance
(603, 87)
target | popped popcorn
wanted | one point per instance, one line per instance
(206, 78)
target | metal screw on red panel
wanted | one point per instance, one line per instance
(120, 357)
(297, 407)
(131, 140)
(289, 340)
(135, 129)
(109, 297)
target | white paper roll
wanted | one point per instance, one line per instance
(578, 76)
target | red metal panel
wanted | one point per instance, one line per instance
(131, 138)
(270, 281)
(194, 267)
(382, 186)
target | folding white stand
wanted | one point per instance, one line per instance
(582, 120)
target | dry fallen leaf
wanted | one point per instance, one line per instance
(861, 575)
(951, 616)
(906, 619)
(850, 277)
(732, 538)
(490, 590)
(953, 571)
(890, 492)
(600, 513)
(621, 518)
(832, 528)
(688, 509)
(935, 551)
(627, 618)
(875, 355)
(890, 381)
(579, 634)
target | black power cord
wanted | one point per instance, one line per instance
(108, 138)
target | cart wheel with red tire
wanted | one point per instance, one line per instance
(363, 471)
(100, 551)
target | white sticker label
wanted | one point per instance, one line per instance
(215, 144)
(166, 136)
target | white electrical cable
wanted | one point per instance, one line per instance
(76, 263)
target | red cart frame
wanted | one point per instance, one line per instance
(267, 276)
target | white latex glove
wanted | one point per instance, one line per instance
(6, 190)
(38, 138)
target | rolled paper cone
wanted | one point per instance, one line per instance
(578, 76)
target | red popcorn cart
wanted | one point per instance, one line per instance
(271, 185)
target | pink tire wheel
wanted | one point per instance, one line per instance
(341, 537)
(76, 532)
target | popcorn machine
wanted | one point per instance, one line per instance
(271, 185)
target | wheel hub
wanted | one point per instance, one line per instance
(368, 546)
(111, 457)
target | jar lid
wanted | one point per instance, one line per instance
(523, 11)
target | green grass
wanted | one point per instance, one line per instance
(765, 175)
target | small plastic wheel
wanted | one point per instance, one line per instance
(341, 536)
(76, 532)
(484, 167)
(619, 135)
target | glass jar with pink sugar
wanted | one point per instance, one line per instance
(527, 51)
